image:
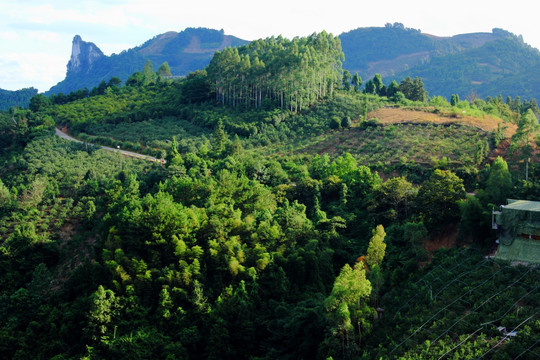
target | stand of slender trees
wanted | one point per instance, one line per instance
(290, 73)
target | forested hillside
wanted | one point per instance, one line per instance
(294, 73)
(504, 66)
(297, 215)
(395, 48)
(476, 64)
(19, 98)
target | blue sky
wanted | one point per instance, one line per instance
(36, 35)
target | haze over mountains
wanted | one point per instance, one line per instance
(475, 64)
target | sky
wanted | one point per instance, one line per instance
(36, 35)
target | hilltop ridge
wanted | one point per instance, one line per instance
(476, 64)
(185, 51)
(395, 48)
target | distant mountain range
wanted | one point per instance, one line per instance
(476, 64)
(189, 50)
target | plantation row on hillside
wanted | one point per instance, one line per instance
(146, 118)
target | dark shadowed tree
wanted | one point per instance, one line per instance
(438, 198)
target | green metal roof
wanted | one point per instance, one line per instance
(519, 217)
(524, 205)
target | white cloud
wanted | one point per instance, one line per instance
(47, 36)
(40, 70)
(8, 36)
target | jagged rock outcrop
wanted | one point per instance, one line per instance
(83, 55)
(186, 51)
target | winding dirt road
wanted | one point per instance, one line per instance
(120, 151)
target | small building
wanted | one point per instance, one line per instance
(519, 231)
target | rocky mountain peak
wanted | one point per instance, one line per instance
(83, 55)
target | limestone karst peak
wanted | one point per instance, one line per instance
(83, 55)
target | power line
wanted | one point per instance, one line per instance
(475, 311)
(437, 313)
(430, 273)
(527, 349)
(506, 337)
(458, 345)
(514, 304)
(460, 298)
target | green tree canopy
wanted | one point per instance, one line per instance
(346, 80)
(104, 306)
(413, 89)
(438, 198)
(357, 82)
(376, 248)
(499, 183)
(148, 74)
(393, 88)
(393, 199)
(39, 102)
(164, 69)
(528, 129)
(346, 306)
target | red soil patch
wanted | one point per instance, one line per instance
(500, 150)
(398, 115)
(445, 237)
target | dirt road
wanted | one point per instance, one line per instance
(118, 150)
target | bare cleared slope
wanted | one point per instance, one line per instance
(404, 116)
